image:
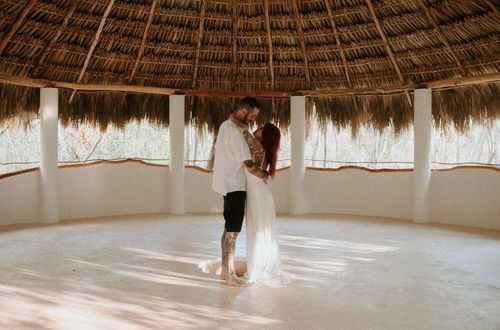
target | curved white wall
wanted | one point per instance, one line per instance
(112, 189)
(353, 191)
(468, 197)
(19, 198)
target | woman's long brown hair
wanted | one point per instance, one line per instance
(271, 142)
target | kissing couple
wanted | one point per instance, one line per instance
(243, 162)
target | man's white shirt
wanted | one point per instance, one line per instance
(231, 150)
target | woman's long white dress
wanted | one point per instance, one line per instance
(263, 252)
(263, 262)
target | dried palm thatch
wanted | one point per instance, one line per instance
(269, 46)
(462, 106)
(102, 109)
(208, 113)
(352, 111)
(18, 104)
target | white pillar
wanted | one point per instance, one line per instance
(177, 168)
(297, 204)
(422, 125)
(48, 208)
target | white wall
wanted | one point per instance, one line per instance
(468, 197)
(112, 189)
(353, 191)
(19, 198)
(199, 194)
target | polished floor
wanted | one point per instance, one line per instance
(140, 272)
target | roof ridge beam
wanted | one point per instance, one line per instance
(201, 30)
(92, 46)
(339, 44)
(436, 27)
(17, 24)
(302, 40)
(437, 84)
(387, 46)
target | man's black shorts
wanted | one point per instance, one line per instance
(234, 210)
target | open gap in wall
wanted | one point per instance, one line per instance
(20, 145)
(84, 143)
(369, 132)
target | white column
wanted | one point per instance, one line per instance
(177, 168)
(297, 204)
(422, 125)
(48, 208)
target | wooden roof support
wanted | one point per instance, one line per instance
(16, 25)
(39, 83)
(445, 83)
(464, 81)
(141, 48)
(387, 46)
(442, 37)
(93, 45)
(337, 40)
(437, 84)
(302, 39)
(201, 30)
(143, 42)
(492, 6)
(269, 43)
(234, 42)
(69, 12)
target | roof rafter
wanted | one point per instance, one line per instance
(387, 46)
(143, 42)
(492, 6)
(69, 12)
(300, 31)
(442, 37)
(92, 46)
(269, 43)
(141, 48)
(234, 42)
(201, 30)
(337, 39)
(19, 21)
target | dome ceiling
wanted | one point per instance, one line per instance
(247, 45)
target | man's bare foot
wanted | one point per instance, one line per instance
(237, 282)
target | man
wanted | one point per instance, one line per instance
(232, 156)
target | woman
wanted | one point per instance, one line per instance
(263, 256)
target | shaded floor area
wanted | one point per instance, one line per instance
(140, 272)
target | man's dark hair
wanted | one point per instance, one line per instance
(248, 103)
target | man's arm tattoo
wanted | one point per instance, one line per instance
(254, 169)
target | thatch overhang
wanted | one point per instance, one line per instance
(358, 59)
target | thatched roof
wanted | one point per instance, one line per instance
(321, 48)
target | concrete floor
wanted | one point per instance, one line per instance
(139, 272)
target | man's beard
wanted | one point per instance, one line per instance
(245, 119)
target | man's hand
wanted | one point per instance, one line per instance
(254, 169)
(265, 180)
